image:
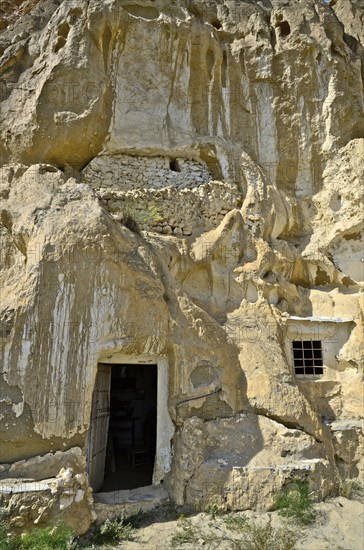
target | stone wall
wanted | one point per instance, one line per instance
(173, 211)
(127, 172)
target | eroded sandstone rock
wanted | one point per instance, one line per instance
(233, 133)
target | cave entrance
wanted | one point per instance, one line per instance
(123, 427)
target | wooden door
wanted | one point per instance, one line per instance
(99, 427)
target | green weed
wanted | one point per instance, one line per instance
(114, 531)
(349, 488)
(295, 501)
(266, 537)
(214, 511)
(134, 218)
(6, 541)
(56, 537)
(187, 535)
(235, 522)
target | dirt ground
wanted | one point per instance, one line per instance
(339, 525)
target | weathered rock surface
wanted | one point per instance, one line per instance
(268, 456)
(65, 497)
(235, 131)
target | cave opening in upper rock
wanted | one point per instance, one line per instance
(284, 28)
(174, 165)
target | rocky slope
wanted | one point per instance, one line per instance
(232, 131)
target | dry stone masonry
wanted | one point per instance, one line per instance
(127, 172)
(173, 211)
(181, 264)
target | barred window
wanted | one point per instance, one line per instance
(307, 357)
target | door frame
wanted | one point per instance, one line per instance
(104, 415)
(165, 427)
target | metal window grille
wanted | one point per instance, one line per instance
(307, 357)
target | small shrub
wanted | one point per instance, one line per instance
(153, 215)
(113, 531)
(295, 501)
(235, 522)
(56, 537)
(214, 510)
(186, 536)
(133, 218)
(266, 537)
(349, 488)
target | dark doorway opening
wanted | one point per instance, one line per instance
(122, 450)
(132, 432)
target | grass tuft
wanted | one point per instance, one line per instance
(215, 511)
(53, 537)
(187, 535)
(114, 531)
(6, 541)
(134, 218)
(266, 537)
(234, 522)
(60, 536)
(349, 488)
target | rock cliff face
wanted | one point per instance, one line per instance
(232, 133)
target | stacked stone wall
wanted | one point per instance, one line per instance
(173, 211)
(136, 172)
